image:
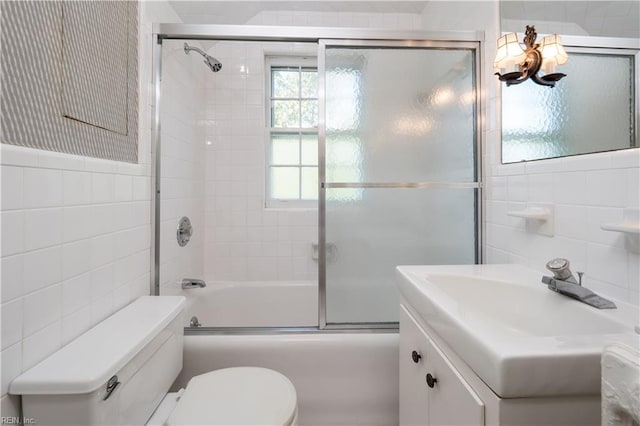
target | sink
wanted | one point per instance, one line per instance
(520, 338)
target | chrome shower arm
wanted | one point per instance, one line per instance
(187, 48)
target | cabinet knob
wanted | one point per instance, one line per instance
(431, 381)
(415, 356)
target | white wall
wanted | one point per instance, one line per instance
(399, 21)
(75, 236)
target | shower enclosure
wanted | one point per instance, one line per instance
(386, 172)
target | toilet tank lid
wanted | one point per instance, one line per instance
(87, 363)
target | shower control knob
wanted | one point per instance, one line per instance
(415, 356)
(184, 231)
(431, 381)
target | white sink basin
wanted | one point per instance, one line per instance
(521, 339)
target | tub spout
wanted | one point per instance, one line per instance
(193, 283)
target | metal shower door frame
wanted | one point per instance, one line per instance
(323, 44)
(323, 36)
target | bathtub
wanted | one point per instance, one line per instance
(254, 304)
(341, 378)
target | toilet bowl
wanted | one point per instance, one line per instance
(119, 372)
(238, 396)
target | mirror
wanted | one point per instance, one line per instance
(594, 108)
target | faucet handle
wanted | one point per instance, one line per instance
(580, 274)
(560, 268)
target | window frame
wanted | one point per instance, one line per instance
(299, 62)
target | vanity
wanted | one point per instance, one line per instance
(491, 345)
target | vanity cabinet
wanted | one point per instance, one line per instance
(459, 397)
(432, 391)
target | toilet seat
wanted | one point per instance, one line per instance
(237, 396)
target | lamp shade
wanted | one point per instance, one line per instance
(552, 50)
(509, 51)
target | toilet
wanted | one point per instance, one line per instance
(119, 373)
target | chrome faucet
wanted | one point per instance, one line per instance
(188, 283)
(564, 282)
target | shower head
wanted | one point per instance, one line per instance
(214, 64)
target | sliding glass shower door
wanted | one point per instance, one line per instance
(399, 176)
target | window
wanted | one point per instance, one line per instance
(292, 159)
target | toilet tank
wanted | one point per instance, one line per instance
(114, 374)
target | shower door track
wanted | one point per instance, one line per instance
(346, 329)
(472, 40)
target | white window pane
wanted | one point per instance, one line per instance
(309, 183)
(285, 83)
(285, 150)
(310, 149)
(285, 183)
(309, 84)
(285, 114)
(309, 117)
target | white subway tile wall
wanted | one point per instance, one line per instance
(59, 250)
(245, 241)
(182, 166)
(587, 191)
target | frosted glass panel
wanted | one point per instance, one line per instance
(590, 110)
(369, 235)
(399, 115)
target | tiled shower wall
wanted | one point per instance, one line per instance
(75, 236)
(183, 161)
(244, 240)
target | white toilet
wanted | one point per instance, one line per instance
(119, 372)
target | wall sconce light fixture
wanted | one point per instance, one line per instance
(519, 65)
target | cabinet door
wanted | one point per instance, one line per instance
(451, 401)
(413, 388)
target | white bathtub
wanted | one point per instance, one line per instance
(341, 378)
(254, 304)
